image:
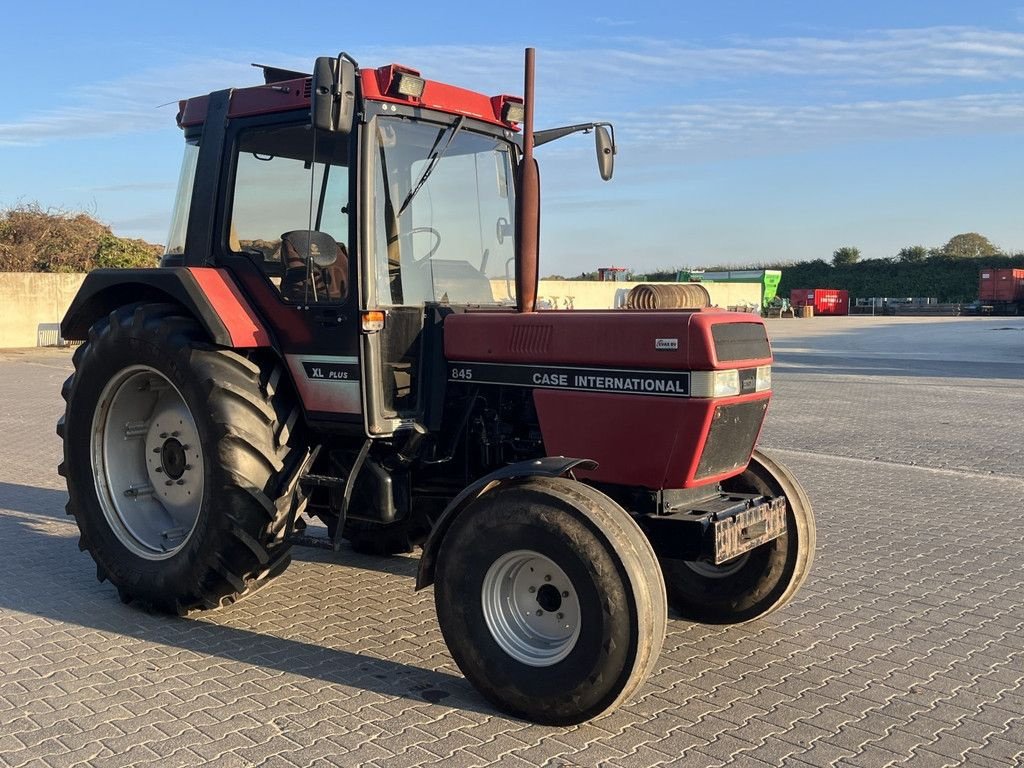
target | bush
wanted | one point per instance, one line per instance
(34, 239)
(944, 278)
(122, 253)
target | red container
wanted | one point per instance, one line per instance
(1001, 285)
(826, 301)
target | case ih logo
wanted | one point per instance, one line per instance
(620, 381)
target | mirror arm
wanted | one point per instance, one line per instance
(551, 134)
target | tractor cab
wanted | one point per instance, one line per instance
(356, 207)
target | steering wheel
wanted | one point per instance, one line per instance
(437, 241)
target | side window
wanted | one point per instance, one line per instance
(289, 213)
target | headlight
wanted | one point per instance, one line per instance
(726, 383)
(731, 382)
(715, 383)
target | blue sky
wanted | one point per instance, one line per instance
(747, 131)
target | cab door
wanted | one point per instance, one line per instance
(290, 243)
(393, 354)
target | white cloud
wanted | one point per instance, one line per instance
(578, 83)
(893, 56)
(607, 21)
(726, 128)
(140, 102)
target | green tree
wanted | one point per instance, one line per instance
(845, 256)
(968, 245)
(912, 254)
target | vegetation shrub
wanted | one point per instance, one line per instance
(948, 273)
(37, 239)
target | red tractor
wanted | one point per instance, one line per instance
(343, 327)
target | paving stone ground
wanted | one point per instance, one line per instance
(906, 646)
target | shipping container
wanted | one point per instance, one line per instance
(825, 301)
(1001, 285)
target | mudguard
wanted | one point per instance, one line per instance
(549, 466)
(209, 294)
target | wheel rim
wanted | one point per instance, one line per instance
(531, 608)
(147, 462)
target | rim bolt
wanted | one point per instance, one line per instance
(188, 467)
(169, 482)
(163, 435)
(547, 578)
(565, 593)
(532, 590)
(181, 482)
(540, 612)
(560, 615)
(156, 450)
(185, 447)
(158, 469)
(175, 433)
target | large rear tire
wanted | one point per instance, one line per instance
(176, 456)
(757, 582)
(551, 600)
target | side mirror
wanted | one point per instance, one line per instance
(333, 96)
(502, 229)
(605, 151)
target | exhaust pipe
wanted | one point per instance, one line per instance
(527, 204)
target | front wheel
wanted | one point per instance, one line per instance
(550, 599)
(757, 582)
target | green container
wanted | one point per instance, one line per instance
(768, 278)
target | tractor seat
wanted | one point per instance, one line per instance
(315, 267)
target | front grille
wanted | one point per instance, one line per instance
(734, 429)
(740, 341)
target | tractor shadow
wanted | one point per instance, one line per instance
(395, 565)
(43, 574)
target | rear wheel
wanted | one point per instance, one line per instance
(176, 455)
(550, 600)
(757, 582)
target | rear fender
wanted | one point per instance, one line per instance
(210, 295)
(550, 466)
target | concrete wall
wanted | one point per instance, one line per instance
(30, 299)
(588, 294)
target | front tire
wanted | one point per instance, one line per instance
(176, 455)
(550, 599)
(757, 582)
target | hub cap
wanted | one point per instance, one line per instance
(147, 462)
(531, 608)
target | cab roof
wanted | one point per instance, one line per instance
(286, 90)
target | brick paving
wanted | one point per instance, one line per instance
(906, 645)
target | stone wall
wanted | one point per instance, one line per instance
(30, 301)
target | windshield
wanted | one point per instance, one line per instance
(444, 202)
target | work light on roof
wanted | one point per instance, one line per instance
(408, 85)
(513, 112)
(508, 109)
